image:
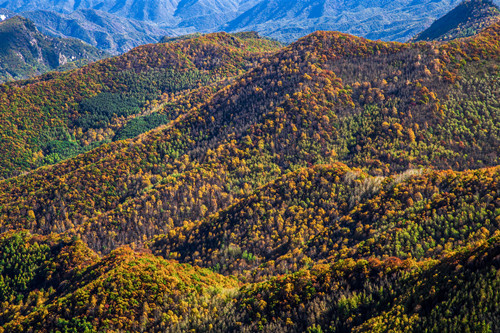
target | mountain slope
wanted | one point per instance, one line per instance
(226, 144)
(79, 110)
(25, 52)
(388, 20)
(329, 213)
(203, 14)
(143, 10)
(224, 183)
(125, 290)
(109, 32)
(129, 290)
(379, 296)
(467, 19)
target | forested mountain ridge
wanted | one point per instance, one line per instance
(228, 183)
(467, 19)
(329, 213)
(63, 285)
(246, 134)
(25, 52)
(60, 115)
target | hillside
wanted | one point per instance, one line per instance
(78, 291)
(25, 52)
(82, 109)
(467, 19)
(228, 141)
(128, 290)
(330, 213)
(227, 183)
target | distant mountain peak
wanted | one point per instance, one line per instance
(465, 20)
(146, 21)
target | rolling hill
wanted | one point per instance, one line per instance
(352, 295)
(79, 110)
(286, 113)
(225, 182)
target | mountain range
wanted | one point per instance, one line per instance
(117, 26)
(224, 182)
(465, 20)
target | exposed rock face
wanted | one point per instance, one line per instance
(25, 52)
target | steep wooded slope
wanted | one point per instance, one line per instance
(404, 107)
(60, 284)
(467, 19)
(330, 213)
(126, 290)
(25, 52)
(60, 115)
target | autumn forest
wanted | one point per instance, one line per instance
(229, 183)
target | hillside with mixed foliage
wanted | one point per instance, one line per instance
(57, 284)
(227, 183)
(331, 213)
(467, 19)
(60, 115)
(410, 106)
(25, 52)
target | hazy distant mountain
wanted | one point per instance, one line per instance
(164, 12)
(119, 25)
(157, 10)
(106, 31)
(25, 52)
(467, 19)
(207, 15)
(388, 20)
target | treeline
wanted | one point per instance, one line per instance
(144, 75)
